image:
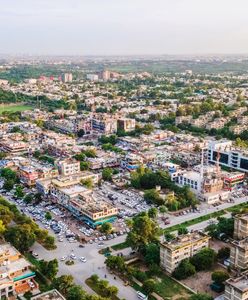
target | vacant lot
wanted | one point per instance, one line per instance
(201, 281)
(166, 287)
(14, 108)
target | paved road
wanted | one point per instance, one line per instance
(81, 271)
(206, 210)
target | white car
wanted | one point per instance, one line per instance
(83, 259)
(63, 258)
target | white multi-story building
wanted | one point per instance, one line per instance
(227, 155)
(184, 246)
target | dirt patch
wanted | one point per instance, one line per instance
(216, 245)
(201, 281)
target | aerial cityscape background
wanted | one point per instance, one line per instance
(123, 150)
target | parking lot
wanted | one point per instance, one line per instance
(128, 202)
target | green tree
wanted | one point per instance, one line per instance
(152, 196)
(219, 276)
(94, 278)
(184, 270)
(144, 230)
(182, 230)
(149, 286)
(152, 254)
(52, 269)
(8, 174)
(88, 182)
(63, 283)
(112, 291)
(20, 236)
(2, 227)
(153, 213)
(84, 165)
(49, 242)
(107, 174)
(28, 198)
(19, 192)
(48, 215)
(106, 228)
(116, 263)
(204, 259)
(8, 184)
(6, 215)
(76, 293)
(163, 209)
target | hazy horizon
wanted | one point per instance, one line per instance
(124, 27)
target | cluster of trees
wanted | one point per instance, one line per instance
(103, 287)
(112, 139)
(110, 147)
(143, 231)
(107, 174)
(203, 260)
(88, 182)
(144, 178)
(82, 157)
(25, 232)
(65, 284)
(10, 178)
(43, 157)
(225, 226)
(48, 268)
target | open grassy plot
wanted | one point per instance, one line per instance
(14, 108)
(166, 287)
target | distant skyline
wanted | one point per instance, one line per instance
(123, 27)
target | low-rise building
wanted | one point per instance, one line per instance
(240, 227)
(237, 288)
(16, 277)
(184, 246)
(50, 295)
(92, 211)
(126, 124)
(239, 254)
(68, 167)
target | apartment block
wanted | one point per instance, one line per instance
(240, 227)
(126, 124)
(239, 254)
(104, 124)
(68, 167)
(237, 288)
(184, 246)
(16, 278)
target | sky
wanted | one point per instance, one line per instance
(123, 27)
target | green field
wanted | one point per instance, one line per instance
(15, 108)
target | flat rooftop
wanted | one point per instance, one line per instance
(240, 283)
(184, 240)
(50, 295)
